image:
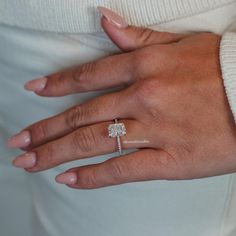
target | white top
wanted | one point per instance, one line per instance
(81, 15)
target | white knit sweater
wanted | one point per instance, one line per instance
(74, 16)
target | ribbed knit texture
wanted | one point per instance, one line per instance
(228, 65)
(81, 15)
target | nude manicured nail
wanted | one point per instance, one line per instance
(19, 140)
(36, 85)
(27, 160)
(113, 18)
(66, 178)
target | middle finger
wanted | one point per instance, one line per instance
(103, 108)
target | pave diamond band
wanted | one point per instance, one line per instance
(117, 130)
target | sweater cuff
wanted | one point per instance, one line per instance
(228, 67)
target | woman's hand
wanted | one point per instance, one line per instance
(173, 106)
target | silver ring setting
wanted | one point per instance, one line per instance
(117, 130)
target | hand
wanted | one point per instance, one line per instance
(173, 98)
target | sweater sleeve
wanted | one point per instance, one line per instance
(228, 67)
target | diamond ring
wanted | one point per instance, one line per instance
(117, 130)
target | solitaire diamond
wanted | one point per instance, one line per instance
(116, 130)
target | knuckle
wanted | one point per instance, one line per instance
(149, 96)
(141, 63)
(75, 116)
(84, 140)
(48, 152)
(87, 178)
(166, 37)
(40, 131)
(145, 36)
(84, 73)
(59, 80)
(45, 157)
(140, 59)
(117, 170)
(146, 62)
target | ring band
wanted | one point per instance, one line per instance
(117, 130)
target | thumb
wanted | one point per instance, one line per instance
(129, 38)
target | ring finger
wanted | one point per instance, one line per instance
(85, 142)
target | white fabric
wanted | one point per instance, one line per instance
(82, 16)
(228, 64)
(34, 205)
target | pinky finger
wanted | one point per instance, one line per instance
(147, 164)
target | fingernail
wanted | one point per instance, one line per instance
(66, 178)
(113, 18)
(27, 160)
(36, 85)
(19, 140)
